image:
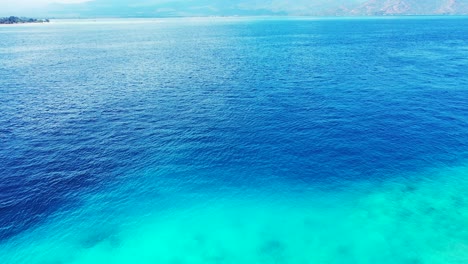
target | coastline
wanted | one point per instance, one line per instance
(14, 20)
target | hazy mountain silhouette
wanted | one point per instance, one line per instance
(411, 7)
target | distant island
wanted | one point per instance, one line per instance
(21, 20)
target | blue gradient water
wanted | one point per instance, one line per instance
(234, 140)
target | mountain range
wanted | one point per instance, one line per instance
(410, 7)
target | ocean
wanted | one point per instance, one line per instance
(234, 140)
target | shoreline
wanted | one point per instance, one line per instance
(14, 20)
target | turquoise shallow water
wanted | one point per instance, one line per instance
(399, 221)
(234, 140)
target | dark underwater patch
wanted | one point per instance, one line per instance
(96, 237)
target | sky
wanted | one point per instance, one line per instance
(171, 8)
(20, 5)
(96, 8)
(23, 7)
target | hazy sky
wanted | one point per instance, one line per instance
(165, 7)
(20, 7)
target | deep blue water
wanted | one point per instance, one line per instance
(113, 125)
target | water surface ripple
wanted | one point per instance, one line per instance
(234, 140)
